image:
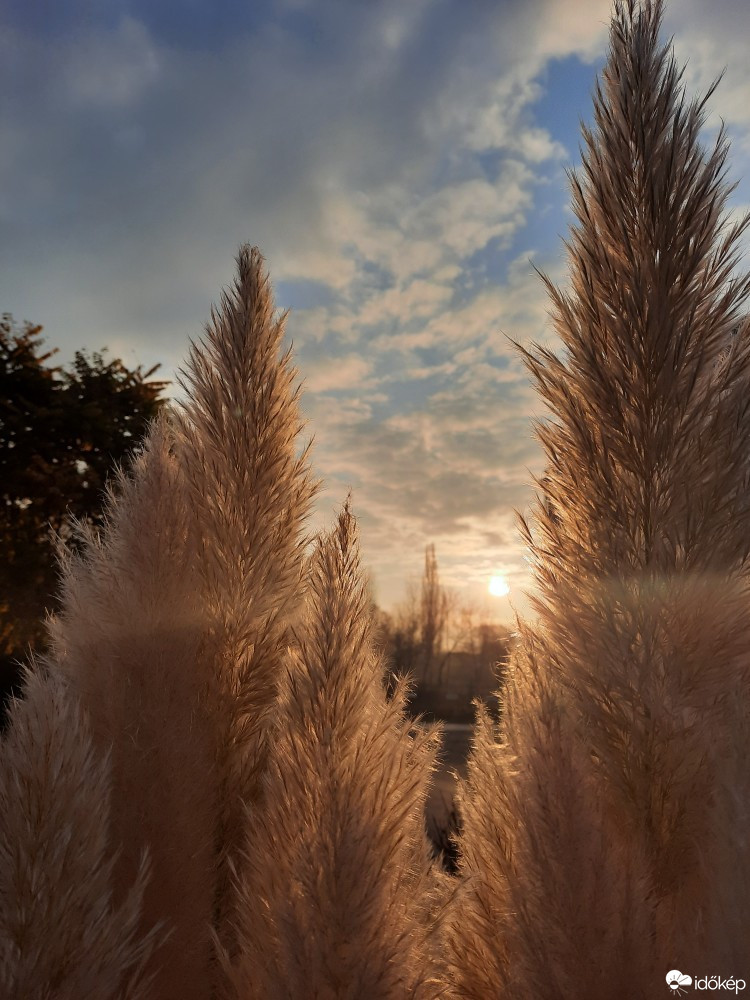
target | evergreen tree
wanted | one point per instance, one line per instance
(62, 431)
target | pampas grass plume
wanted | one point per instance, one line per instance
(250, 492)
(337, 906)
(62, 935)
(129, 637)
(593, 856)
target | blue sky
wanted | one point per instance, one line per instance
(400, 165)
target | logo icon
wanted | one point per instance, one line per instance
(676, 980)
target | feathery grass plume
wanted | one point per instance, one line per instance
(62, 935)
(251, 495)
(725, 854)
(442, 833)
(648, 458)
(338, 883)
(640, 553)
(129, 638)
(651, 682)
(550, 903)
(643, 564)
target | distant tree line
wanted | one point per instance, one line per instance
(450, 649)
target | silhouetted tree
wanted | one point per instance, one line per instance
(61, 433)
(434, 608)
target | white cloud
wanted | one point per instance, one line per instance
(570, 27)
(465, 216)
(416, 300)
(347, 373)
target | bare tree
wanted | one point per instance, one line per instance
(405, 635)
(431, 625)
(435, 608)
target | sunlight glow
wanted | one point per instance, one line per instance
(499, 586)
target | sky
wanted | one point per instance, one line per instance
(401, 165)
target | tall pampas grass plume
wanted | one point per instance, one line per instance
(250, 493)
(605, 799)
(338, 906)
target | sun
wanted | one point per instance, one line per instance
(499, 586)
